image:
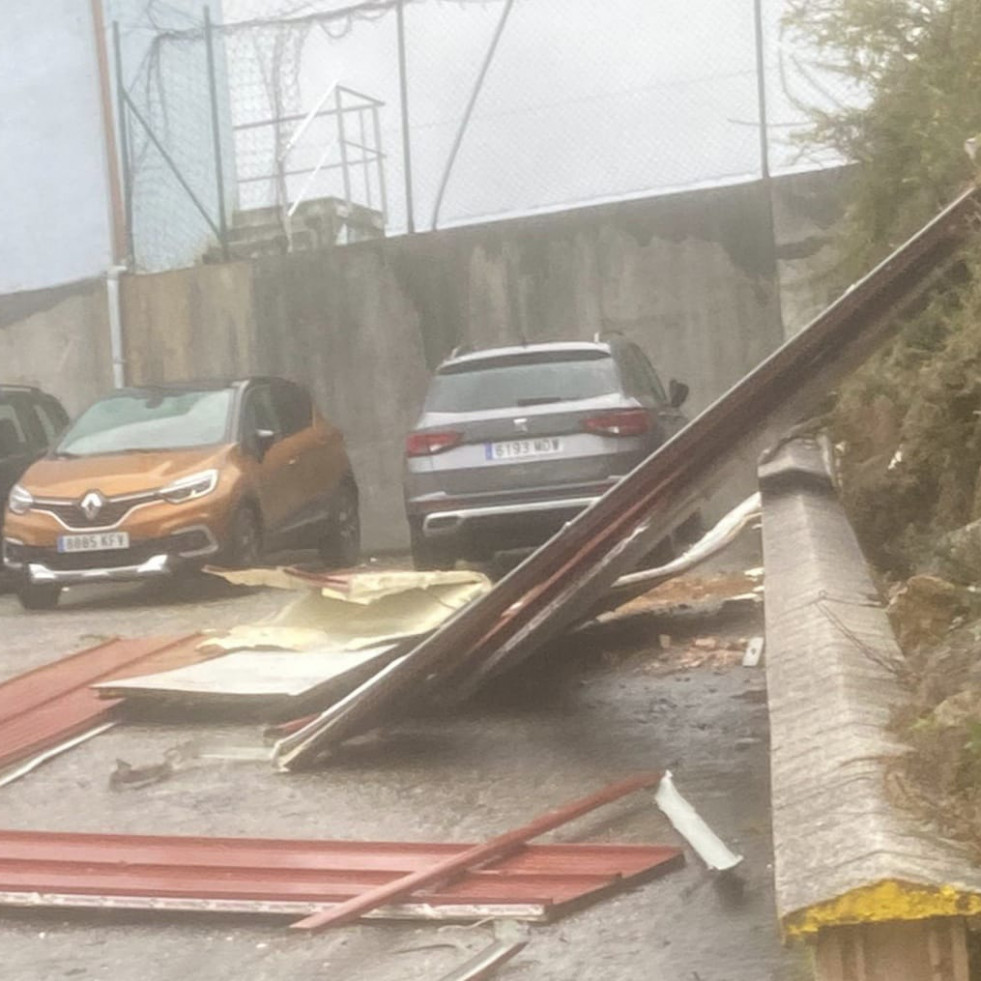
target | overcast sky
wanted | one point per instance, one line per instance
(587, 100)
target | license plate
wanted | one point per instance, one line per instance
(516, 449)
(104, 541)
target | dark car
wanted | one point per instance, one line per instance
(515, 441)
(30, 421)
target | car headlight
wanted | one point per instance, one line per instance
(21, 500)
(190, 488)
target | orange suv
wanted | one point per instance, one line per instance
(152, 480)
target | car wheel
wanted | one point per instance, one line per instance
(244, 547)
(341, 545)
(428, 555)
(38, 595)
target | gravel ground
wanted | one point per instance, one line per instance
(600, 705)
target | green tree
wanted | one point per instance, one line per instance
(918, 63)
(909, 422)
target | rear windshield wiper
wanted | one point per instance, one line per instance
(541, 400)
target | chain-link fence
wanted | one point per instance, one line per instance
(287, 109)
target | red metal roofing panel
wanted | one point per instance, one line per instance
(256, 875)
(44, 707)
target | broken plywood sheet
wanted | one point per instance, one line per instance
(350, 612)
(257, 675)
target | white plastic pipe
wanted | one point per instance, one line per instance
(116, 325)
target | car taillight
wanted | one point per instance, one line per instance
(426, 444)
(619, 422)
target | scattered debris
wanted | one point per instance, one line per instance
(277, 681)
(573, 571)
(217, 748)
(754, 652)
(484, 964)
(476, 857)
(127, 776)
(15, 773)
(47, 710)
(709, 847)
(706, 643)
(725, 532)
(696, 594)
(349, 611)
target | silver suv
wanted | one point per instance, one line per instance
(514, 441)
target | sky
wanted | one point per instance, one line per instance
(585, 101)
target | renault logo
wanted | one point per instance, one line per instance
(521, 424)
(92, 504)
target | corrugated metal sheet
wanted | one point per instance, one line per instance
(52, 704)
(301, 877)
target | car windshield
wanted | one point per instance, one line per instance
(521, 381)
(149, 421)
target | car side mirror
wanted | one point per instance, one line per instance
(262, 440)
(677, 393)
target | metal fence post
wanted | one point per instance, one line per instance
(216, 133)
(380, 157)
(766, 180)
(365, 159)
(124, 153)
(345, 169)
(406, 139)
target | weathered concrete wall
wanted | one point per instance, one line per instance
(690, 277)
(191, 323)
(58, 339)
(807, 209)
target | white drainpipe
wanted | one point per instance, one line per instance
(116, 325)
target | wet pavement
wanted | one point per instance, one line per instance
(601, 704)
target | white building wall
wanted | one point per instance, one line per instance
(54, 211)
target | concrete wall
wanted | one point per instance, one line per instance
(690, 277)
(52, 152)
(807, 209)
(58, 339)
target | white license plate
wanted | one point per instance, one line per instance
(104, 541)
(516, 449)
